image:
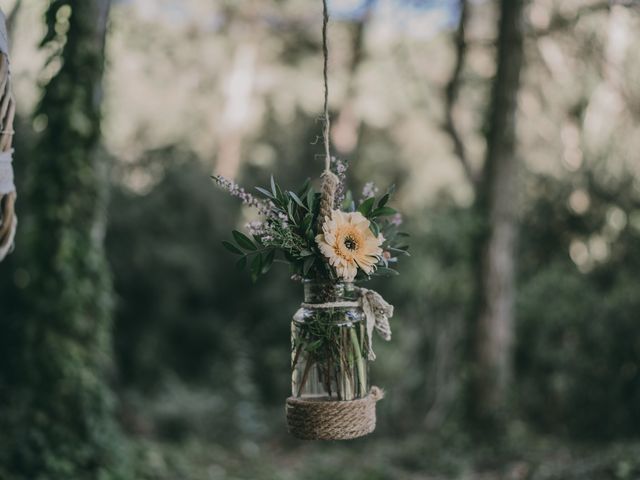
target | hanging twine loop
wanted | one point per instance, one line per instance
(8, 219)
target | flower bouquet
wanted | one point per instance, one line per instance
(331, 242)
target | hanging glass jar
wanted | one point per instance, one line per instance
(329, 344)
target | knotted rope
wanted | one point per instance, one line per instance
(8, 219)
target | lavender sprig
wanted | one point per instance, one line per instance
(264, 208)
(340, 168)
(369, 190)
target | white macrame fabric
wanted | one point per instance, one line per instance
(6, 173)
(8, 220)
(376, 310)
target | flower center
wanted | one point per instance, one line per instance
(350, 243)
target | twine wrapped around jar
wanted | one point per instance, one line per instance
(311, 419)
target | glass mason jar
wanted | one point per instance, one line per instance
(329, 345)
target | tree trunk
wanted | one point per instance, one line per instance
(60, 424)
(496, 204)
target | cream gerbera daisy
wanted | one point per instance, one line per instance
(348, 243)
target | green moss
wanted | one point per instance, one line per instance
(61, 424)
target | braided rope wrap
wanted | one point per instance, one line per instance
(330, 182)
(309, 419)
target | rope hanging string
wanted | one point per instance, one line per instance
(325, 55)
(330, 180)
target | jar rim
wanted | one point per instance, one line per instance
(315, 281)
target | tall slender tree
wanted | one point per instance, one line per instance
(495, 188)
(61, 424)
(496, 204)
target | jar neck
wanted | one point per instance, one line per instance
(323, 292)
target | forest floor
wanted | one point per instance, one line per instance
(415, 457)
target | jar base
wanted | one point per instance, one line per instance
(318, 419)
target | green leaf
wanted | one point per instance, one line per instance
(244, 241)
(308, 263)
(242, 263)
(383, 201)
(399, 251)
(366, 206)
(383, 212)
(297, 200)
(385, 272)
(310, 198)
(305, 253)
(265, 192)
(348, 201)
(274, 190)
(306, 222)
(311, 238)
(256, 267)
(305, 187)
(375, 229)
(292, 218)
(232, 248)
(257, 240)
(268, 261)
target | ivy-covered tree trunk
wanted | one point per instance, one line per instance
(61, 420)
(496, 205)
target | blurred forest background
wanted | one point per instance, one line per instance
(131, 348)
